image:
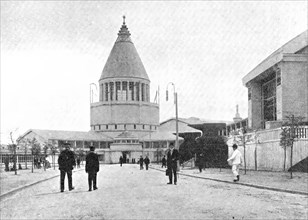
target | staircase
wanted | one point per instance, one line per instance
(301, 166)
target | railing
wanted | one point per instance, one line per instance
(272, 135)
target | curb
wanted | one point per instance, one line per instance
(243, 184)
(13, 191)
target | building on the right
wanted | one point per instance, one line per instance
(278, 86)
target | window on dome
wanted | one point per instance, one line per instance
(134, 126)
(115, 127)
(118, 91)
(111, 91)
(137, 91)
(124, 91)
(147, 93)
(131, 91)
(106, 92)
(142, 92)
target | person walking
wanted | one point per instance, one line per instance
(121, 160)
(92, 167)
(66, 163)
(200, 162)
(163, 162)
(6, 163)
(172, 158)
(146, 162)
(78, 162)
(141, 163)
(235, 160)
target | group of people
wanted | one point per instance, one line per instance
(146, 161)
(67, 163)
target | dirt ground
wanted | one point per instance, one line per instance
(129, 193)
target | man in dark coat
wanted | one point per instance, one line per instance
(172, 158)
(66, 163)
(141, 163)
(200, 162)
(121, 160)
(163, 162)
(146, 161)
(92, 167)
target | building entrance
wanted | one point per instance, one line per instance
(126, 155)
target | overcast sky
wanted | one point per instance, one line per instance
(51, 52)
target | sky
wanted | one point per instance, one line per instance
(51, 51)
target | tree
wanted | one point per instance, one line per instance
(35, 149)
(285, 142)
(185, 151)
(45, 149)
(12, 148)
(214, 149)
(289, 135)
(243, 139)
(53, 150)
(25, 142)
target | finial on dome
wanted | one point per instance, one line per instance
(123, 19)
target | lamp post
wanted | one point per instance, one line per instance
(176, 113)
(91, 92)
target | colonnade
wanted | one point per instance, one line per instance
(124, 91)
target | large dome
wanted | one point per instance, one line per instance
(123, 60)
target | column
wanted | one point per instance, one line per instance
(101, 94)
(127, 89)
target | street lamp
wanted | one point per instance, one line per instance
(176, 113)
(91, 92)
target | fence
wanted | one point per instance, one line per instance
(265, 152)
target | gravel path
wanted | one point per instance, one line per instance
(129, 193)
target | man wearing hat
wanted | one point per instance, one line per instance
(92, 167)
(172, 158)
(66, 163)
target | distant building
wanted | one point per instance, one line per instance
(278, 86)
(123, 122)
(237, 125)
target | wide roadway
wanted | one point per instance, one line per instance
(130, 193)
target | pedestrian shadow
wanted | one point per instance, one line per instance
(58, 192)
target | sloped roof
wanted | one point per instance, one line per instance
(69, 135)
(123, 60)
(160, 136)
(291, 47)
(126, 135)
(198, 121)
(195, 121)
(169, 125)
